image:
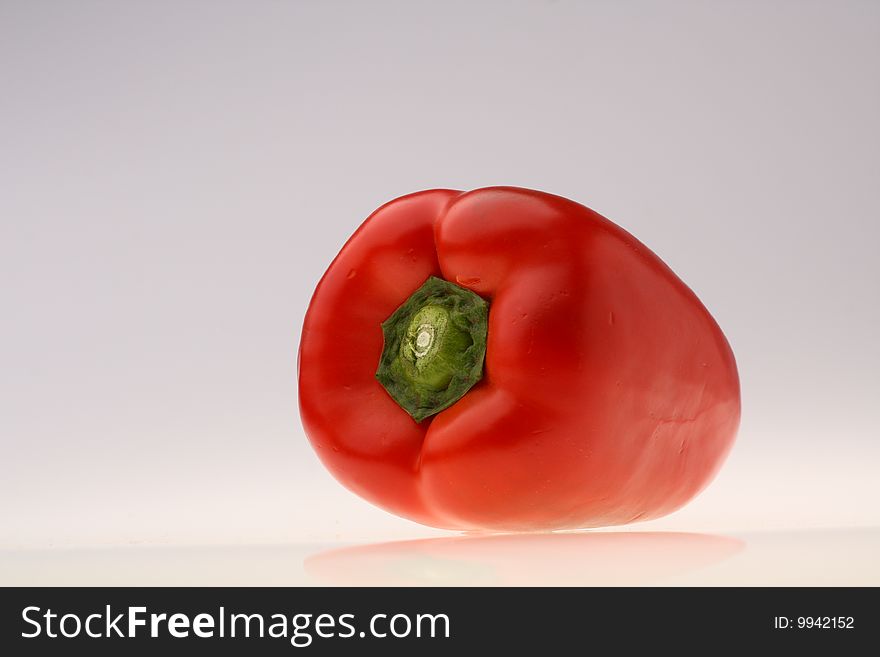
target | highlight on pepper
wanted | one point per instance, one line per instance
(507, 359)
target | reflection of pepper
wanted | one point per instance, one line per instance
(606, 393)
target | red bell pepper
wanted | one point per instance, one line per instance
(508, 359)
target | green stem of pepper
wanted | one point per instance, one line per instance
(435, 345)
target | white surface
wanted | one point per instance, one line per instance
(175, 177)
(627, 558)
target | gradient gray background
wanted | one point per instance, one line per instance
(176, 176)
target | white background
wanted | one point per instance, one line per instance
(176, 176)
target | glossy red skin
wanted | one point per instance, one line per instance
(609, 395)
